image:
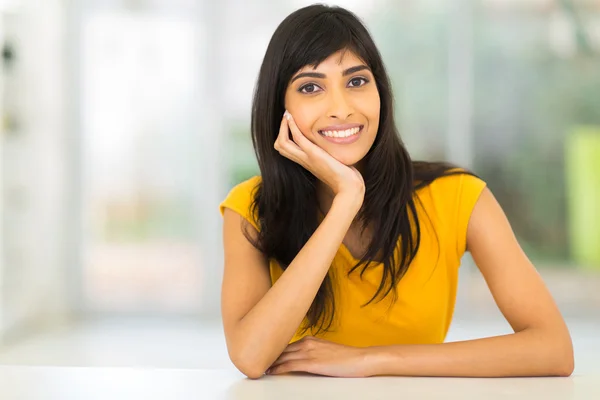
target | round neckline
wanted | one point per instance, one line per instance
(343, 247)
(349, 255)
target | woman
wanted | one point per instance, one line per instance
(342, 258)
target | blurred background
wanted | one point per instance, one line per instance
(124, 123)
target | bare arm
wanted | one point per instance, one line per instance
(260, 320)
(541, 344)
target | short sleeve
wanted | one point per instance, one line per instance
(240, 198)
(468, 192)
(448, 202)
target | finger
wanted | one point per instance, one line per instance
(285, 146)
(301, 140)
(292, 366)
(290, 356)
(299, 344)
(283, 137)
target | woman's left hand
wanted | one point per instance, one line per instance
(321, 357)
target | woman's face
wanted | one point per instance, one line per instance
(336, 105)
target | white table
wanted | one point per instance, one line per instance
(67, 383)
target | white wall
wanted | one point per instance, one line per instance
(1, 180)
(35, 153)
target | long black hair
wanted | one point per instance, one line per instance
(285, 202)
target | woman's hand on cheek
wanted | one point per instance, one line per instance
(339, 177)
(321, 357)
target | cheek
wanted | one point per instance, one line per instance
(301, 112)
(303, 124)
(374, 111)
(305, 121)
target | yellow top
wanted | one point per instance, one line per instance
(424, 307)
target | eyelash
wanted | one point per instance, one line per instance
(314, 84)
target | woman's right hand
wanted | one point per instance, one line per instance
(340, 178)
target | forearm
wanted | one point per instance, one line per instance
(530, 352)
(268, 327)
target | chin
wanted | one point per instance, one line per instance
(347, 159)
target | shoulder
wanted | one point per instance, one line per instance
(240, 198)
(449, 201)
(454, 188)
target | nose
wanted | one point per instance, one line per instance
(339, 105)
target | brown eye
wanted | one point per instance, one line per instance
(356, 82)
(308, 88)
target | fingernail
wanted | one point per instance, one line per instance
(287, 114)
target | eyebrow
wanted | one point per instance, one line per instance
(319, 75)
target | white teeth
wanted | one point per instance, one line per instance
(341, 134)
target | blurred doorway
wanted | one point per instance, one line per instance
(139, 82)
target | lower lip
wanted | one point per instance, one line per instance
(343, 140)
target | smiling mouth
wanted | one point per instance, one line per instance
(343, 133)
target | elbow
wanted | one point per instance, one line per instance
(554, 354)
(253, 374)
(566, 366)
(568, 371)
(247, 365)
(250, 369)
(564, 359)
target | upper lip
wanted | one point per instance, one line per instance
(341, 127)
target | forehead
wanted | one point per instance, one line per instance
(339, 60)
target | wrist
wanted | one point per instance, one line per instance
(349, 200)
(375, 359)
